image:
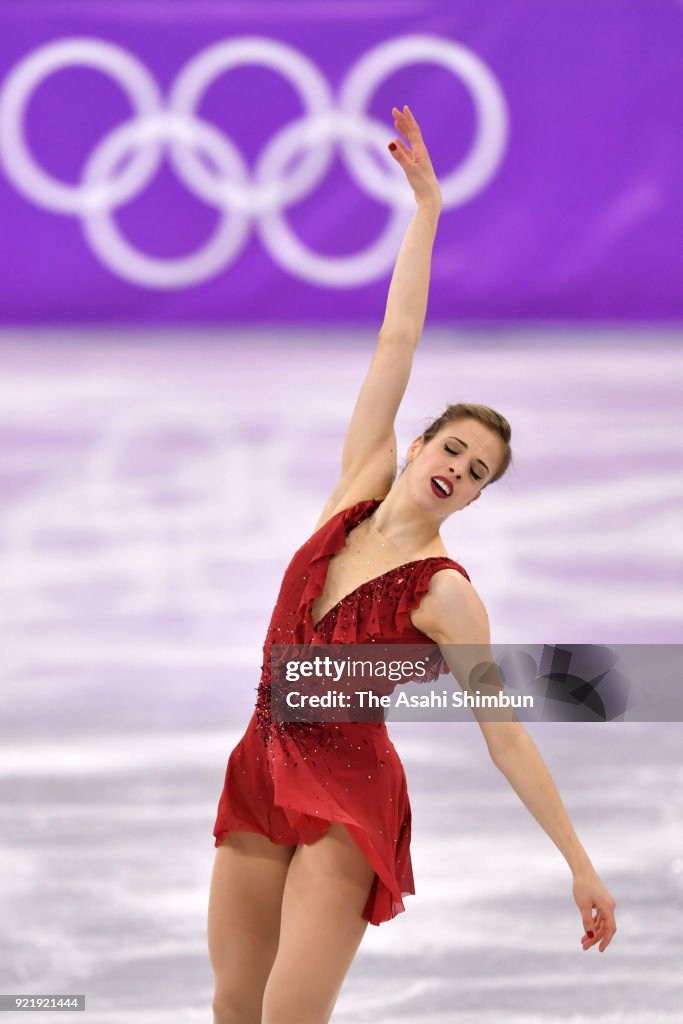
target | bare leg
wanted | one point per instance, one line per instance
(327, 886)
(245, 902)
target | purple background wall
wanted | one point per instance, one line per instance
(578, 217)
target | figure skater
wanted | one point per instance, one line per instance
(312, 833)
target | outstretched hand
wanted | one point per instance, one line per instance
(590, 894)
(415, 160)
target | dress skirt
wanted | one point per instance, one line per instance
(292, 785)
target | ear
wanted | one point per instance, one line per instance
(414, 448)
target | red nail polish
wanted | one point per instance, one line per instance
(392, 146)
(590, 935)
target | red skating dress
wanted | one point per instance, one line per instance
(290, 781)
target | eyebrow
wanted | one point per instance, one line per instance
(465, 445)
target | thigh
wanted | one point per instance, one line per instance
(245, 903)
(321, 928)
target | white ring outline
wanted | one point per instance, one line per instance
(201, 72)
(289, 251)
(101, 196)
(492, 124)
(116, 253)
(27, 176)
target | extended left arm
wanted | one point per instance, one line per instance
(525, 770)
(453, 615)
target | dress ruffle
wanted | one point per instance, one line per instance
(418, 587)
(330, 538)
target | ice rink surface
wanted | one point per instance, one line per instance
(154, 487)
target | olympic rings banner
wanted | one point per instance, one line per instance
(220, 162)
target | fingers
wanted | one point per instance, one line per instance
(606, 923)
(406, 123)
(401, 151)
(603, 928)
(592, 927)
(607, 931)
(587, 915)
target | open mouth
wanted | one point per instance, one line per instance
(441, 487)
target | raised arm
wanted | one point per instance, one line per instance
(369, 455)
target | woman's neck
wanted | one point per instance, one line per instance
(405, 527)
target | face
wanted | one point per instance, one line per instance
(449, 472)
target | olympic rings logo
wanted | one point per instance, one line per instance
(172, 129)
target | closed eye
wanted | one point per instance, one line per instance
(451, 452)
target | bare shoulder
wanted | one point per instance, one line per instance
(453, 615)
(452, 611)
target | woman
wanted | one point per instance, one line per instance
(313, 825)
